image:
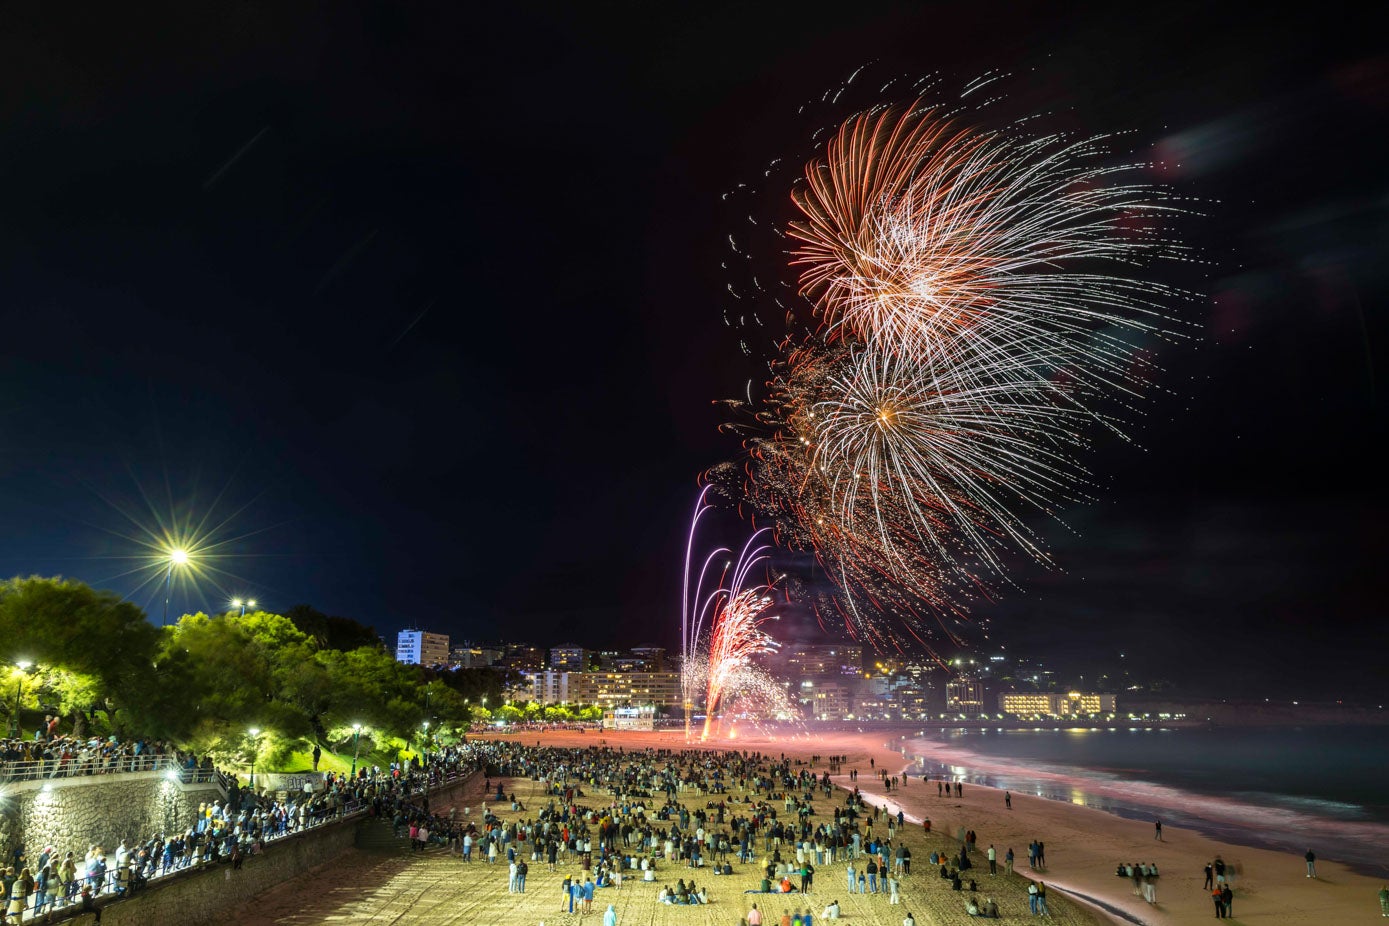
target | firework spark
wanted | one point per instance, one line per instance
(977, 311)
(719, 665)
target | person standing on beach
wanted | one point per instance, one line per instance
(1311, 858)
(993, 860)
(1219, 899)
(1042, 899)
(1157, 830)
(754, 916)
(852, 876)
(1210, 876)
(1042, 858)
(1008, 799)
(1008, 861)
(1032, 897)
(1384, 900)
(1227, 899)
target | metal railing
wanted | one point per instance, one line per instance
(82, 767)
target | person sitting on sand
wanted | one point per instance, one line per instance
(832, 911)
(955, 884)
(682, 894)
(785, 885)
(989, 910)
(766, 886)
(664, 896)
(971, 908)
(702, 896)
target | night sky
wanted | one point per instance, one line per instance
(419, 312)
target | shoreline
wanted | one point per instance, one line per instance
(1085, 843)
(1222, 817)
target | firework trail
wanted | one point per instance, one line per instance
(718, 664)
(976, 309)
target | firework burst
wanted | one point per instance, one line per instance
(977, 309)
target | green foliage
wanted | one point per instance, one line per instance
(91, 650)
(339, 633)
(206, 681)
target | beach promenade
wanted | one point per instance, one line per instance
(1083, 846)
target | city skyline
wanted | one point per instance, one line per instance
(424, 338)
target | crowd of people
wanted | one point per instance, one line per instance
(612, 815)
(609, 811)
(220, 832)
(1144, 878)
(49, 754)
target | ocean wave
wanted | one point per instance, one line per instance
(1338, 830)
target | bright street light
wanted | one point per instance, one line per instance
(356, 739)
(255, 748)
(243, 604)
(23, 666)
(177, 557)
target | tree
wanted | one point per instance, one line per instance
(93, 651)
(339, 633)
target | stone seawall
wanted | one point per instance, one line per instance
(72, 814)
(202, 896)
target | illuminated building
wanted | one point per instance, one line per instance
(1055, 704)
(826, 700)
(476, 656)
(964, 696)
(606, 689)
(569, 657)
(801, 659)
(421, 648)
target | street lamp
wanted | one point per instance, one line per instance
(23, 666)
(177, 557)
(255, 748)
(356, 739)
(243, 604)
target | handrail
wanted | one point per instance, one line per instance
(80, 767)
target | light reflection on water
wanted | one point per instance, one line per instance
(1264, 787)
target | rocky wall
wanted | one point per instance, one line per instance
(73, 814)
(205, 896)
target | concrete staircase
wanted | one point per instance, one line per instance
(375, 835)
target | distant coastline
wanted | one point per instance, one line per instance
(1152, 712)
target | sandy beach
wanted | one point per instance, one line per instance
(1083, 846)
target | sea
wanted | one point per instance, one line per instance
(1287, 788)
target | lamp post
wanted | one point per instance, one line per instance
(255, 748)
(356, 739)
(243, 604)
(177, 557)
(23, 666)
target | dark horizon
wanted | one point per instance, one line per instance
(426, 310)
